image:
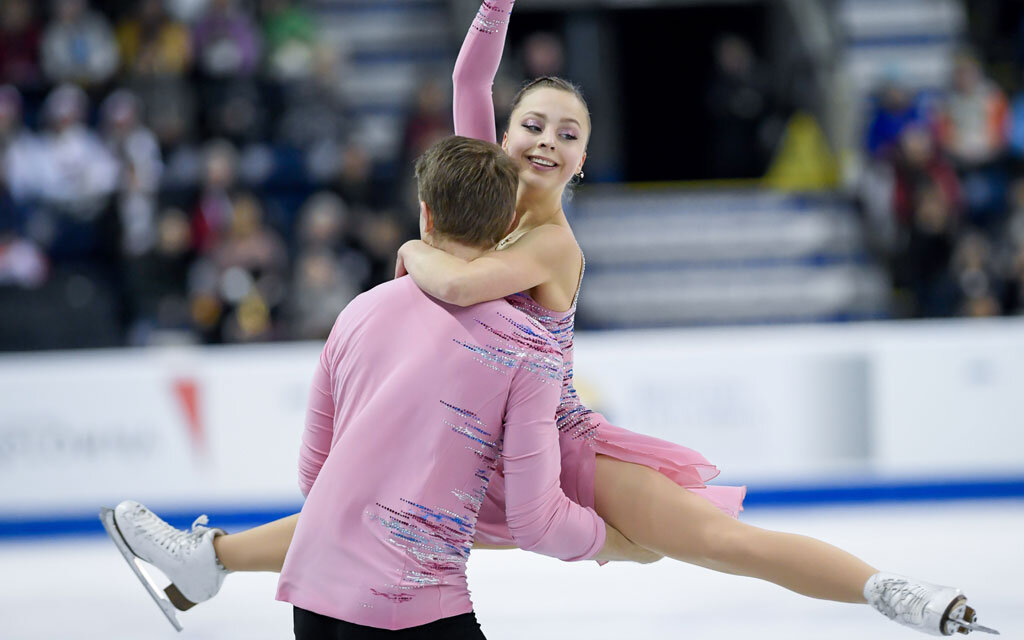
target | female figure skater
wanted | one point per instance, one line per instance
(539, 268)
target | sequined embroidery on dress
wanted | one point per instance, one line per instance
(489, 25)
(440, 539)
(573, 418)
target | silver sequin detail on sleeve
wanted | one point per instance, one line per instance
(523, 346)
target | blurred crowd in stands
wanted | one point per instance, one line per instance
(176, 171)
(944, 194)
(184, 170)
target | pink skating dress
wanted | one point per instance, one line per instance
(582, 433)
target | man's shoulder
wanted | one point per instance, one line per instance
(397, 290)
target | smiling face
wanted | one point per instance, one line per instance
(547, 138)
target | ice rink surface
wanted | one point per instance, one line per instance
(81, 589)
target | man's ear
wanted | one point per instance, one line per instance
(426, 218)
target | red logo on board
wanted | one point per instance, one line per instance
(187, 392)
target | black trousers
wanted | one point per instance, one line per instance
(313, 626)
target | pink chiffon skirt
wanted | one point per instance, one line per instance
(686, 467)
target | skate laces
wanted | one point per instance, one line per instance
(901, 599)
(173, 540)
(199, 524)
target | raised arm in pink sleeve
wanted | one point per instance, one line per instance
(475, 70)
(540, 517)
(319, 431)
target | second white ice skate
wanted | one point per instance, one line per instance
(107, 518)
(932, 609)
(187, 558)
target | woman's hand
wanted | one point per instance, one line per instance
(619, 548)
(403, 255)
(400, 262)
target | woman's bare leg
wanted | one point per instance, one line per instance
(259, 549)
(654, 512)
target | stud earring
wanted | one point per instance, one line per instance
(580, 175)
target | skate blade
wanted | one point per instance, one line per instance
(973, 626)
(107, 518)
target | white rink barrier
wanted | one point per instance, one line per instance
(221, 425)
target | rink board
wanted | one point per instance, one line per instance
(804, 415)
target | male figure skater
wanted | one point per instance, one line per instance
(412, 405)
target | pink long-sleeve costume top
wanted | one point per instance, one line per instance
(412, 405)
(583, 433)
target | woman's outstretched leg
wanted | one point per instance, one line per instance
(261, 548)
(654, 512)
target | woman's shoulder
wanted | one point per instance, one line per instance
(550, 236)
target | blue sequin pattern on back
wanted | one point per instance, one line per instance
(440, 539)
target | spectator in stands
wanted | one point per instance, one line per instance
(250, 244)
(21, 262)
(543, 55)
(428, 121)
(235, 110)
(131, 142)
(212, 213)
(331, 267)
(157, 280)
(228, 52)
(82, 175)
(977, 276)
(153, 44)
(1013, 296)
(354, 179)
(1014, 231)
(290, 35)
(187, 11)
(739, 103)
(138, 153)
(79, 45)
(973, 127)
(252, 263)
(21, 152)
(1012, 251)
(227, 42)
(381, 235)
(504, 90)
(325, 224)
(916, 161)
(924, 266)
(157, 54)
(20, 38)
(320, 290)
(315, 110)
(973, 121)
(895, 108)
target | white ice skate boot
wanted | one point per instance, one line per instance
(187, 558)
(929, 608)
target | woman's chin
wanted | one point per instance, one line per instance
(540, 181)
